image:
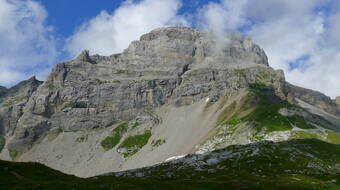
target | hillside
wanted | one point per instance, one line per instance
(297, 164)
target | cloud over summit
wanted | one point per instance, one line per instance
(289, 31)
(110, 33)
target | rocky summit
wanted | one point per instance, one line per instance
(175, 91)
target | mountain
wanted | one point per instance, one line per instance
(2, 90)
(301, 164)
(12, 103)
(174, 92)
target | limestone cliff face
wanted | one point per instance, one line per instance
(169, 87)
(167, 66)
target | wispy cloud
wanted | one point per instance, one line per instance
(27, 46)
(110, 33)
(289, 31)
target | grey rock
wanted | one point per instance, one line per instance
(168, 66)
(12, 103)
(3, 91)
(313, 97)
(337, 100)
(84, 57)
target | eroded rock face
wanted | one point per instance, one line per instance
(12, 102)
(314, 98)
(173, 66)
(337, 100)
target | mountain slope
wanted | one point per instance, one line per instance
(175, 91)
(12, 102)
(297, 164)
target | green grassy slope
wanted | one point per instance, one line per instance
(296, 164)
(265, 116)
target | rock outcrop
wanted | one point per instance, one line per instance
(337, 100)
(12, 102)
(314, 98)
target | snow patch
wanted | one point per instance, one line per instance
(175, 158)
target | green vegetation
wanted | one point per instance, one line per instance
(2, 142)
(307, 135)
(226, 113)
(135, 124)
(111, 141)
(99, 81)
(263, 110)
(296, 164)
(82, 138)
(157, 143)
(265, 76)
(315, 166)
(50, 86)
(333, 137)
(13, 101)
(130, 153)
(330, 137)
(260, 83)
(135, 143)
(14, 154)
(266, 115)
(234, 120)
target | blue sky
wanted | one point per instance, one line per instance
(66, 15)
(299, 37)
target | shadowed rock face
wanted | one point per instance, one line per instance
(3, 90)
(12, 101)
(174, 67)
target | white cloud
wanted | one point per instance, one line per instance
(288, 35)
(333, 37)
(224, 17)
(287, 30)
(26, 44)
(322, 75)
(111, 33)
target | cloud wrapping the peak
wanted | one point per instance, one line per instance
(111, 33)
(226, 16)
(297, 36)
(27, 46)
